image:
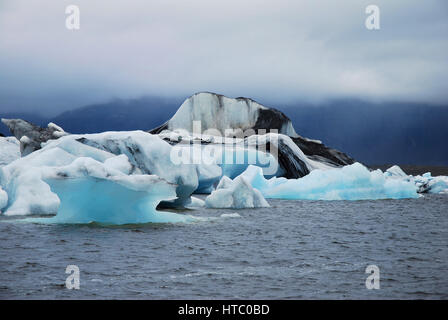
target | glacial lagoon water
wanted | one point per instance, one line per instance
(293, 250)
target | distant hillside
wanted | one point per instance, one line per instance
(378, 133)
(118, 115)
(414, 134)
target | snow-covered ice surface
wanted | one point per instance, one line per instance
(236, 194)
(353, 182)
(9, 150)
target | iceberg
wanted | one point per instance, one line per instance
(146, 170)
(51, 180)
(91, 192)
(438, 184)
(353, 182)
(236, 194)
(219, 112)
(87, 191)
(148, 154)
(215, 112)
(425, 183)
(429, 184)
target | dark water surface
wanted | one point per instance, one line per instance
(293, 250)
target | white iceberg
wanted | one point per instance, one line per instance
(429, 184)
(438, 184)
(86, 191)
(218, 112)
(353, 182)
(132, 170)
(90, 191)
(425, 183)
(236, 194)
(148, 154)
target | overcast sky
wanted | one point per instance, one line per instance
(270, 50)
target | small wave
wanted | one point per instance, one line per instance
(230, 215)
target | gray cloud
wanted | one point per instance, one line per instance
(271, 50)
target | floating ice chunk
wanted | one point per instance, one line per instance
(149, 154)
(438, 184)
(122, 199)
(115, 153)
(90, 191)
(237, 194)
(430, 184)
(230, 215)
(426, 183)
(353, 182)
(9, 150)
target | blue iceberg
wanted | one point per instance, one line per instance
(353, 182)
